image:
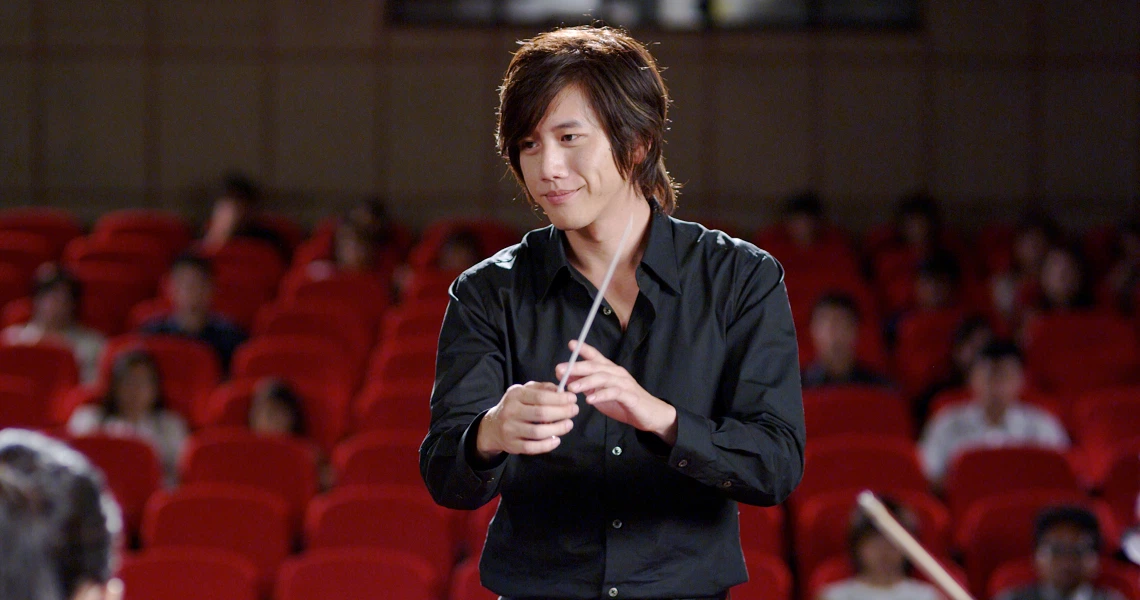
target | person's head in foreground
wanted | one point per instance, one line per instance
(58, 523)
(582, 118)
(997, 378)
(276, 409)
(1067, 545)
(55, 299)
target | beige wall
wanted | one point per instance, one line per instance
(109, 103)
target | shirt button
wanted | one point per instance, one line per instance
(682, 463)
(612, 592)
(616, 451)
(726, 484)
(608, 311)
(617, 523)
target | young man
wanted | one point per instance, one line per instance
(835, 332)
(689, 397)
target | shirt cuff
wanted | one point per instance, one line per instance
(484, 470)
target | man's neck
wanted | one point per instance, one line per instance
(593, 247)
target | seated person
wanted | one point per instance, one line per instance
(803, 219)
(459, 251)
(1035, 234)
(994, 417)
(972, 334)
(191, 293)
(59, 525)
(1066, 555)
(881, 570)
(1122, 283)
(234, 215)
(133, 407)
(1064, 282)
(937, 286)
(55, 305)
(276, 409)
(834, 332)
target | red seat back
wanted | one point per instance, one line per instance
(762, 529)
(189, 369)
(987, 472)
(58, 226)
(357, 574)
(132, 469)
(865, 410)
(859, 462)
(166, 228)
(1077, 352)
(51, 368)
(379, 457)
(394, 404)
(188, 573)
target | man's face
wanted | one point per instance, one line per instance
(833, 331)
(190, 290)
(1066, 557)
(997, 383)
(568, 164)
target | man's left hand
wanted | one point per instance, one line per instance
(616, 394)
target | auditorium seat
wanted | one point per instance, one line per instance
(986, 472)
(251, 522)
(21, 406)
(854, 409)
(768, 579)
(384, 516)
(859, 462)
(237, 300)
(492, 235)
(14, 283)
(839, 568)
(51, 369)
(1102, 421)
(820, 525)
(366, 296)
(400, 403)
(132, 469)
(407, 358)
(1121, 486)
(762, 529)
(281, 465)
(284, 226)
(357, 574)
(922, 351)
(465, 584)
(144, 253)
(1077, 352)
(188, 573)
(379, 457)
(189, 369)
(346, 328)
(58, 226)
(1021, 572)
(428, 285)
(170, 230)
(255, 261)
(24, 251)
(421, 320)
(228, 404)
(109, 293)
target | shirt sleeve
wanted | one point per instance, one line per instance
(935, 447)
(470, 379)
(755, 451)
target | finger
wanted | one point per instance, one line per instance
(537, 397)
(610, 394)
(580, 369)
(539, 431)
(593, 382)
(540, 385)
(587, 351)
(539, 446)
(547, 413)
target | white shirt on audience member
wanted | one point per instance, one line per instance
(907, 589)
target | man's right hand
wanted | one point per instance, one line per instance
(529, 419)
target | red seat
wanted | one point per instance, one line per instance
(109, 293)
(762, 529)
(188, 573)
(1102, 421)
(768, 579)
(379, 457)
(238, 300)
(59, 226)
(395, 517)
(364, 294)
(820, 525)
(1077, 352)
(428, 285)
(132, 469)
(839, 568)
(1021, 572)
(166, 228)
(394, 404)
(285, 227)
(317, 369)
(999, 529)
(1121, 487)
(922, 353)
(51, 369)
(414, 321)
(465, 584)
(865, 410)
(251, 522)
(14, 283)
(25, 251)
(228, 404)
(189, 369)
(357, 574)
(141, 252)
(255, 261)
(492, 235)
(347, 329)
(987, 472)
(859, 462)
(283, 466)
(833, 248)
(404, 359)
(20, 406)
(805, 288)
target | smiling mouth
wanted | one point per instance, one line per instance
(559, 196)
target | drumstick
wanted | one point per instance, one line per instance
(597, 303)
(905, 542)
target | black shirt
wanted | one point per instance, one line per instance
(221, 335)
(612, 508)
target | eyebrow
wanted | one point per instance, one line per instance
(568, 124)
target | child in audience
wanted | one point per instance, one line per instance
(55, 305)
(995, 417)
(133, 407)
(276, 409)
(1067, 544)
(881, 570)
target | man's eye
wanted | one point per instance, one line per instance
(570, 137)
(527, 144)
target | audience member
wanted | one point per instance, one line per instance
(133, 407)
(59, 525)
(234, 215)
(804, 219)
(918, 225)
(55, 306)
(1035, 234)
(276, 409)
(937, 284)
(191, 291)
(1064, 282)
(881, 570)
(1122, 284)
(834, 333)
(1067, 544)
(459, 250)
(994, 417)
(972, 334)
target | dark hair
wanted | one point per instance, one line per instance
(1040, 221)
(1084, 296)
(620, 80)
(371, 216)
(51, 276)
(280, 392)
(58, 523)
(940, 265)
(238, 186)
(124, 362)
(968, 327)
(997, 350)
(193, 261)
(861, 527)
(919, 204)
(1076, 516)
(804, 203)
(840, 300)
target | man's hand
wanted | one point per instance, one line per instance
(529, 419)
(616, 394)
